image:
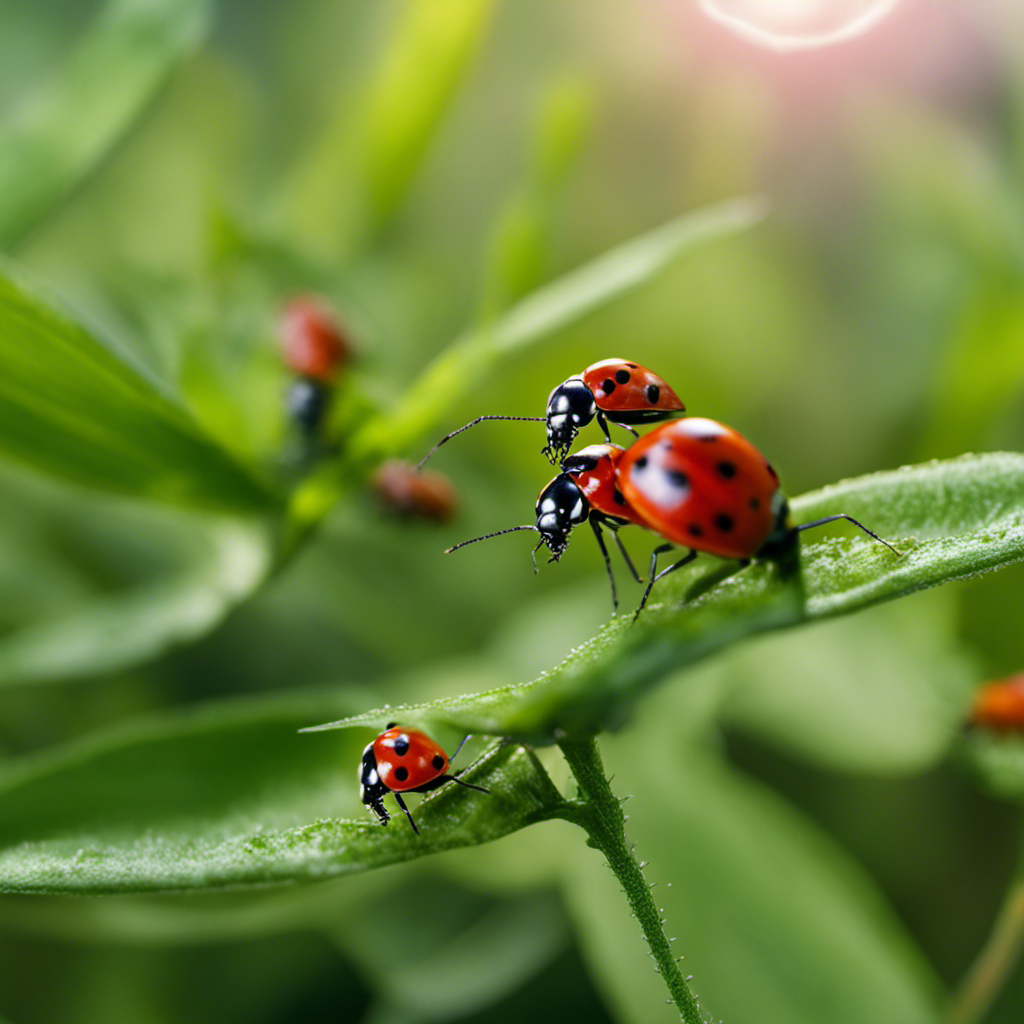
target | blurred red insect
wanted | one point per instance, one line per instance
(412, 494)
(999, 705)
(316, 346)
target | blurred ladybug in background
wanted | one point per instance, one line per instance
(704, 486)
(585, 491)
(316, 348)
(611, 391)
(404, 761)
(405, 491)
(999, 706)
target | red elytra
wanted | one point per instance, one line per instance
(704, 486)
(407, 492)
(313, 341)
(403, 761)
(610, 391)
(999, 705)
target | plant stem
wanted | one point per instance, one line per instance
(999, 955)
(605, 825)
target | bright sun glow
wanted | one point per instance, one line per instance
(797, 24)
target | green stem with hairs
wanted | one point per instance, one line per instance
(599, 813)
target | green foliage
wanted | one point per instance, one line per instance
(59, 132)
(72, 407)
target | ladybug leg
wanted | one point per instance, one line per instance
(625, 426)
(843, 515)
(625, 556)
(607, 561)
(401, 803)
(603, 424)
(654, 575)
(468, 785)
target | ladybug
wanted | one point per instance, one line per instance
(316, 347)
(999, 706)
(404, 761)
(697, 483)
(414, 495)
(702, 485)
(611, 391)
(585, 491)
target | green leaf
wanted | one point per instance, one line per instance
(232, 795)
(63, 129)
(544, 312)
(70, 406)
(775, 922)
(359, 172)
(997, 761)
(134, 625)
(951, 519)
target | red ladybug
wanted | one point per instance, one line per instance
(585, 491)
(316, 347)
(313, 341)
(612, 390)
(999, 706)
(402, 761)
(703, 486)
(414, 495)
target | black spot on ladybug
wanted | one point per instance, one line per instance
(622, 376)
(401, 773)
(678, 478)
(618, 497)
(608, 386)
(641, 462)
(653, 393)
(402, 746)
(724, 522)
(391, 725)
(696, 530)
(438, 762)
(632, 366)
(727, 469)
(771, 472)
(707, 438)
(754, 503)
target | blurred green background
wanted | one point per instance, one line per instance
(875, 318)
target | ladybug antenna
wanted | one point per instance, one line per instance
(843, 515)
(473, 423)
(487, 536)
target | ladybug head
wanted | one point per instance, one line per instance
(560, 507)
(570, 406)
(371, 789)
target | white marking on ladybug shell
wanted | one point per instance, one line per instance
(548, 505)
(577, 511)
(547, 523)
(778, 500)
(656, 484)
(594, 451)
(697, 426)
(560, 404)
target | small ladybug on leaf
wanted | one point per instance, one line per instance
(700, 485)
(999, 706)
(611, 391)
(404, 761)
(316, 347)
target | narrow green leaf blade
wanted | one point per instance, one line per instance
(952, 519)
(63, 129)
(359, 172)
(230, 796)
(546, 311)
(71, 407)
